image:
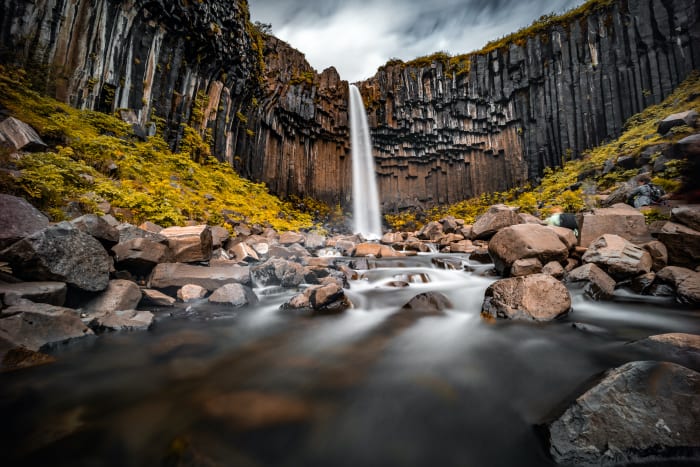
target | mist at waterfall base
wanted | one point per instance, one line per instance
(212, 385)
(366, 210)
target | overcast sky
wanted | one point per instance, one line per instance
(358, 36)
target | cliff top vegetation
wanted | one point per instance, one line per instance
(96, 157)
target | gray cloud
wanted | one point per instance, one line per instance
(358, 36)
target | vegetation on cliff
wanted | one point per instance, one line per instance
(579, 183)
(95, 157)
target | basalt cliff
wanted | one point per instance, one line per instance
(441, 132)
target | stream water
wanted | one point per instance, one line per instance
(259, 387)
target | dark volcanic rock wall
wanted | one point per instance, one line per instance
(158, 57)
(440, 137)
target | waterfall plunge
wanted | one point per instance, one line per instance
(366, 212)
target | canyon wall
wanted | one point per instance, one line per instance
(440, 133)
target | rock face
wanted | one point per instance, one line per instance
(441, 134)
(61, 253)
(538, 297)
(640, 412)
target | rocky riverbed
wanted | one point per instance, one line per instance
(502, 342)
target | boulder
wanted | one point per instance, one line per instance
(61, 253)
(620, 219)
(618, 257)
(18, 219)
(525, 218)
(236, 295)
(641, 412)
(688, 216)
(554, 269)
(391, 238)
(432, 231)
(122, 320)
(643, 284)
(314, 241)
(524, 241)
(682, 243)
(17, 136)
(119, 295)
(151, 227)
(99, 228)
(683, 118)
(152, 297)
(537, 297)
(278, 271)
(525, 267)
(189, 244)
(598, 284)
(211, 278)
(685, 281)
(325, 299)
(219, 236)
(242, 252)
(140, 255)
(292, 251)
(496, 218)
(191, 292)
(676, 347)
(464, 246)
(428, 303)
(688, 147)
(289, 238)
(566, 236)
(53, 293)
(39, 325)
(659, 254)
(451, 225)
(129, 232)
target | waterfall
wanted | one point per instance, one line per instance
(365, 200)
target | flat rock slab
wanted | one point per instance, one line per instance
(53, 293)
(211, 278)
(640, 412)
(37, 325)
(122, 320)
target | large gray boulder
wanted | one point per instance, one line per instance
(99, 228)
(61, 253)
(18, 219)
(189, 244)
(620, 258)
(640, 412)
(682, 243)
(620, 219)
(496, 218)
(524, 241)
(38, 325)
(537, 297)
(211, 278)
(53, 293)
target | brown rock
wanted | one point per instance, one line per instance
(156, 298)
(190, 292)
(686, 282)
(53, 293)
(99, 228)
(683, 244)
(525, 218)
(688, 216)
(150, 227)
(18, 219)
(236, 295)
(429, 303)
(496, 218)
(323, 299)
(140, 254)
(241, 252)
(211, 278)
(554, 269)
(524, 241)
(19, 358)
(598, 284)
(537, 297)
(659, 254)
(620, 219)
(367, 249)
(189, 244)
(119, 295)
(618, 257)
(219, 236)
(36, 325)
(464, 246)
(525, 267)
(432, 231)
(289, 238)
(683, 118)
(122, 320)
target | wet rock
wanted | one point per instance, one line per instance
(38, 325)
(428, 303)
(659, 254)
(122, 320)
(525, 267)
(211, 278)
(155, 298)
(61, 253)
(640, 412)
(525, 241)
(99, 228)
(17, 135)
(676, 347)
(618, 257)
(537, 297)
(688, 216)
(278, 271)
(448, 263)
(251, 410)
(191, 292)
(236, 295)
(18, 358)
(119, 295)
(140, 255)
(683, 118)
(53, 293)
(642, 284)
(620, 219)
(290, 238)
(685, 281)
(241, 252)
(189, 244)
(496, 218)
(598, 284)
(682, 243)
(325, 299)
(18, 219)
(129, 232)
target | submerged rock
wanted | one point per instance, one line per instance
(640, 412)
(537, 297)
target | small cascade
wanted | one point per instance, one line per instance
(366, 210)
